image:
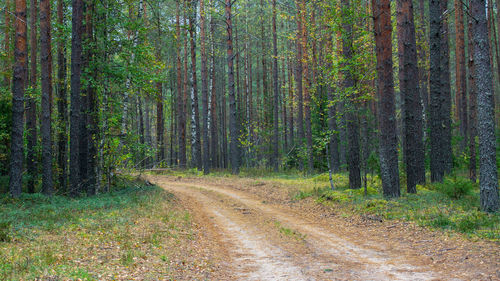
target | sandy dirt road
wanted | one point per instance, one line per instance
(259, 235)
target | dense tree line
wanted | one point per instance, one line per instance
(306, 85)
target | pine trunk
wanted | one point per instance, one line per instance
(276, 94)
(31, 129)
(195, 108)
(204, 89)
(388, 139)
(18, 90)
(76, 71)
(233, 127)
(488, 177)
(412, 107)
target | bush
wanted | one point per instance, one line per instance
(455, 188)
(4, 231)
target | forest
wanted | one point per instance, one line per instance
(90, 88)
(382, 108)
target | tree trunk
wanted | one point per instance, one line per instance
(46, 122)
(204, 89)
(412, 107)
(18, 90)
(31, 129)
(388, 139)
(76, 70)
(298, 77)
(472, 103)
(461, 82)
(488, 177)
(233, 127)
(446, 90)
(275, 151)
(307, 89)
(214, 139)
(180, 94)
(160, 125)
(352, 119)
(437, 124)
(195, 107)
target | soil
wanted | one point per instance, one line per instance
(255, 231)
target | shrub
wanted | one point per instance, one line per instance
(4, 231)
(455, 188)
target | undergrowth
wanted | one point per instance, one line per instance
(87, 238)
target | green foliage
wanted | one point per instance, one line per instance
(4, 231)
(455, 188)
(5, 128)
(452, 205)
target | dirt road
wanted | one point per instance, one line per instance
(258, 234)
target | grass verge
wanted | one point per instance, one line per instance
(137, 231)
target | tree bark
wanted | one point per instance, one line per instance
(180, 94)
(46, 122)
(233, 127)
(299, 86)
(412, 107)
(352, 118)
(388, 139)
(461, 82)
(472, 103)
(31, 129)
(76, 70)
(204, 89)
(7, 32)
(488, 177)
(18, 91)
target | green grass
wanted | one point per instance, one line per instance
(451, 206)
(88, 237)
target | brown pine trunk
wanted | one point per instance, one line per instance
(461, 83)
(18, 90)
(388, 138)
(46, 122)
(184, 113)
(412, 108)
(31, 129)
(180, 94)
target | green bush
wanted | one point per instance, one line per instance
(455, 188)
(4, 231)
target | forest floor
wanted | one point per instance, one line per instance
(255, 230)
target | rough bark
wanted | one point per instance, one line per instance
(31, 129)
(388, 139)
(412, 107)
(7, 31)
(352, 119)
(445, 90)
(18, 90)
(488, 177)
(214, 139)
(461, 75)
(307, 89)
(472, 104)
(233, 127)
(46, 122)
(76, 71)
